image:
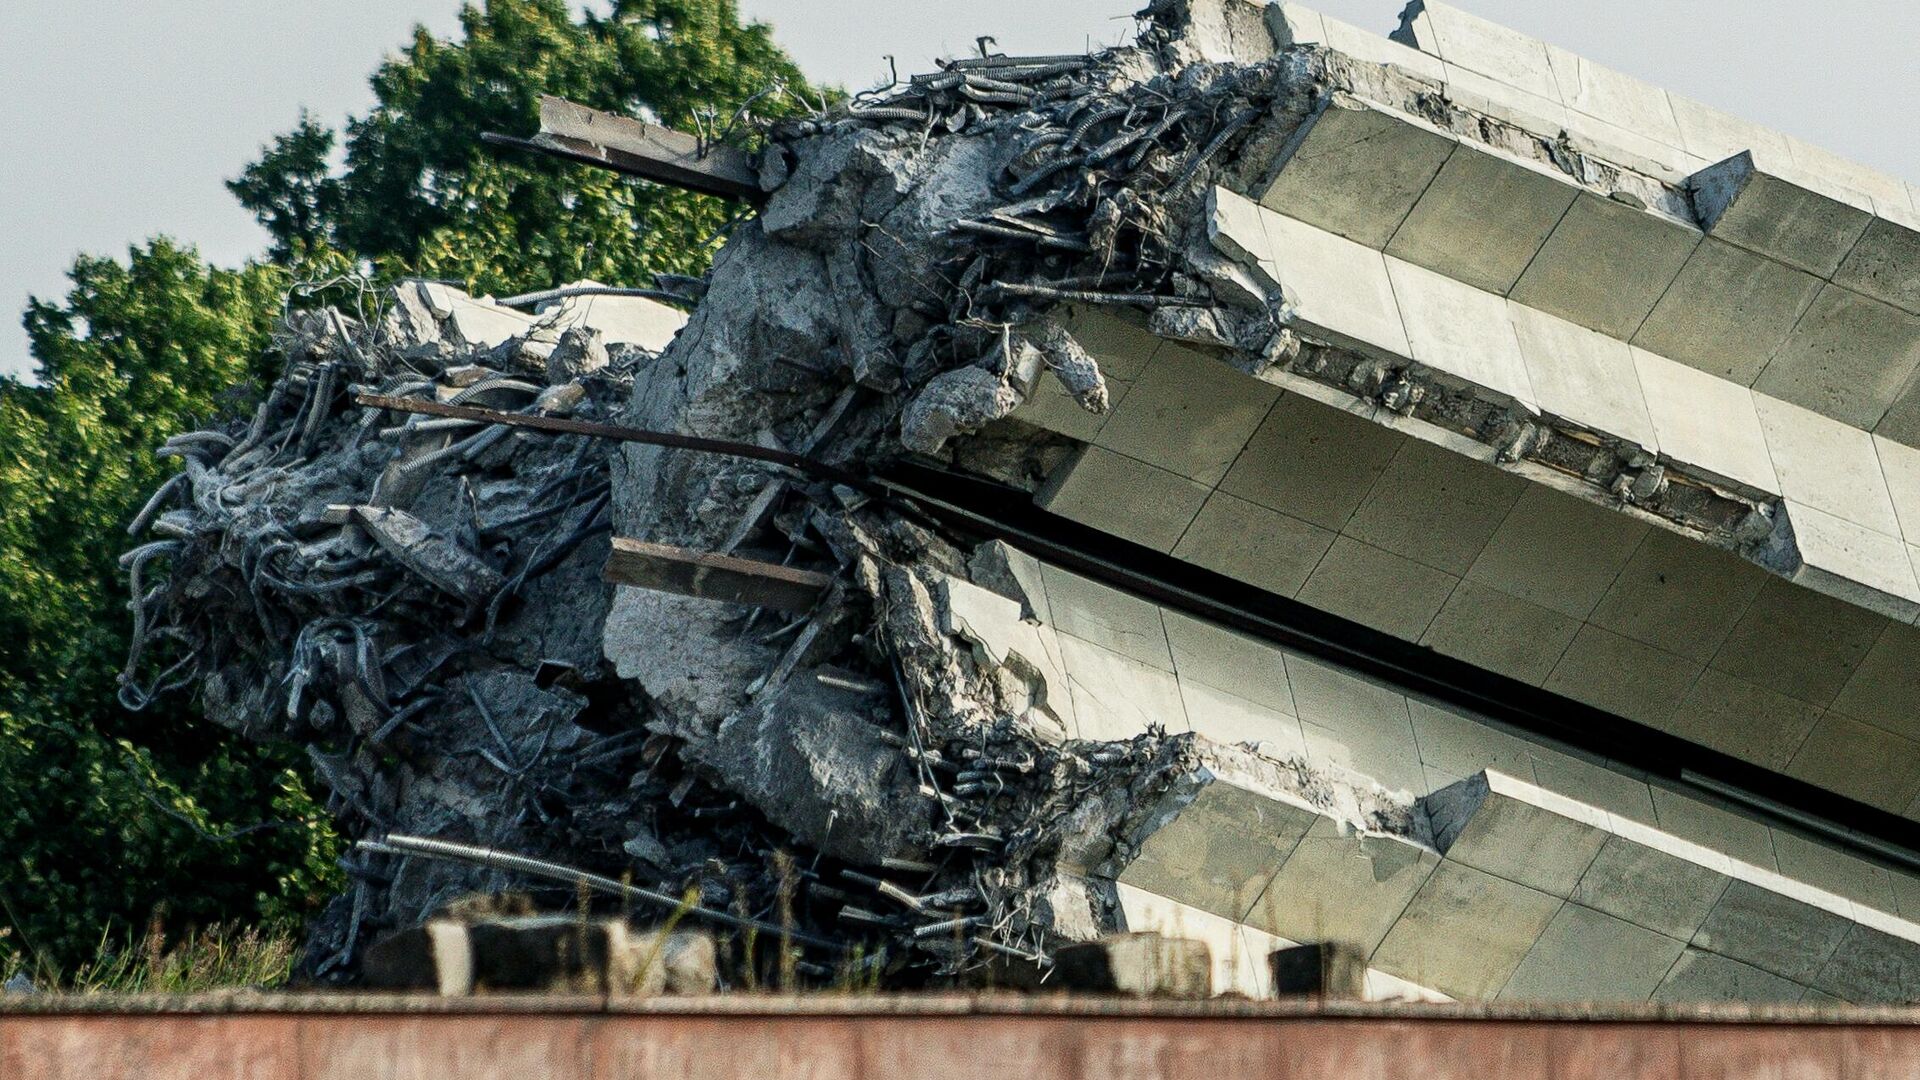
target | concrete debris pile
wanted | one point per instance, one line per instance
(890, 768)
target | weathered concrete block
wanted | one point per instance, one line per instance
(1188, 413)
(1606, 265)
(1851, 562)
(437, 956)
(1214, 845)
(1516, 831)
(1590, 956)
(1341, 884)
(1124, 496)
(643, 964)
(1885, 263)
(1739, 202)
(1715, 135)
(1615, 98)
(1465, 931)
(1474, 43)
(1331, 969)
(1849, 357)
(1705, 423)
(1460, 332)
(1582, 376)
(1137, 965)
(1362, 45)
(1335, 289)
(1356, 169)
(1827, 464)
(1727, 311)
(1483, 217)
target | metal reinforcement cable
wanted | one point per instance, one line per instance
(401, 844)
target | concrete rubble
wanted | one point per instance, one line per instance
(816, 714)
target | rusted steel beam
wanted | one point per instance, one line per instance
(637, 148)
(560, 425)
(714, 577)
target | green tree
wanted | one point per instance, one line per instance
(422, 194)
(106, 814)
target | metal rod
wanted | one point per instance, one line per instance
(398, 843)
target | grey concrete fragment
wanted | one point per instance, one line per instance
(434, 557)
(1137, 965)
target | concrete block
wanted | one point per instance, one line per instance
(1623, 676)
(1582, 376)
(1650, 887)
(994, 624)
(1616, 98)
(1557, 551)
(1853, 563)
(1124, 496)
(1900, 468)
(436, 956)
(1376, 588)
(1679, 595)
(1051, 407)
(1707, 425)
(1501, 633)
(1474, 92)
(646, 963)
(1849, 358)
(1727, 311)
(1798, 642)
(1291, 24)
(1827, 868)
(1700, 976)
(1435, 507)
(1211, 655)
(1885, 686)
(1872, 967)
(1827, 464)
(1606, 265)
(1501, 825)
(1713, 826)
(477, 321)
(1736, 717)
(1117, 697)
(1355, 722)
(1339, 884)
(1189, 414)
(1335, 289)
(1356, 168)
(1334, 970)
(1838, 176)
(1461, 744)
(1482, 46)
(1137, 965)
(1771, 931)
(1595, 784)
(1483, 217)
(1239, 952)
(1590, 956)
(1362, 45)
(1253, 544)
(1316, 463)
(1885, 263)
(1228, 718)
(1461, 332)
(1121, 347)
(1859, 761)
(1739, 202)
(1106, 617)
(1465, 931)
(1217, 851)
(1716, 135)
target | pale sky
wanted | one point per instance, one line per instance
(121, 118)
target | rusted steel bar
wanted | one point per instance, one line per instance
(714, 577)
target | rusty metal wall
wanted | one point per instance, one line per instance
(320, 1040)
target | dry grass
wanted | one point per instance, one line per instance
(219, 958)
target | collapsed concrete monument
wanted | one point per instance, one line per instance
(1267, 484)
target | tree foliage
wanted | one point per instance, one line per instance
(106, 815)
